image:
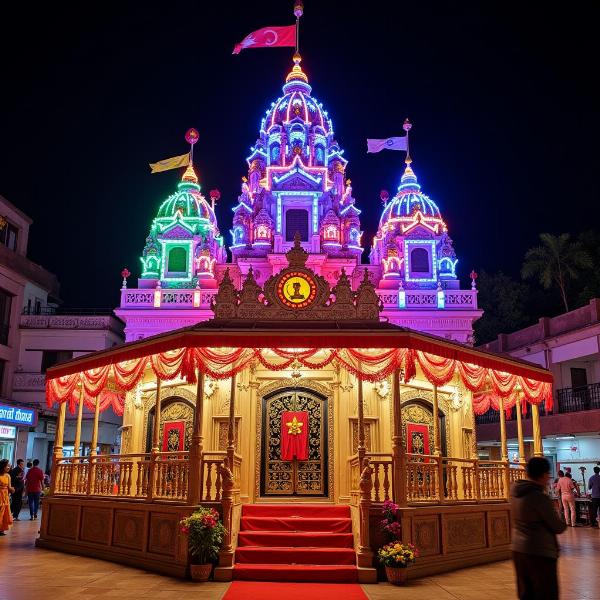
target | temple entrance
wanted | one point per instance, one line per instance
(294, 445)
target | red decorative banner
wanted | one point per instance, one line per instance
(173, 439)
(294, 435)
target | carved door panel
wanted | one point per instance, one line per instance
(294, 477)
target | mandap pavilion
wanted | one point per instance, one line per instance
(295, 412)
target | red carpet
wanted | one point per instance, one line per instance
(300, 542)
(247, 590)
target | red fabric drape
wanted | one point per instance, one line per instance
(294, 435)
(366, 364)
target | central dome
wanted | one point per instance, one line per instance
(297, 105)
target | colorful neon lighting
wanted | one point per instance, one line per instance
(430, 245)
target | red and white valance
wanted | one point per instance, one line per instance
(109, 382)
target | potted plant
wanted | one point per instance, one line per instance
(396, 557)
(205, 534)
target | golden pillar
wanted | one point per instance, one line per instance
(538, 449)
(231, 426)
(195, 479)
(93, 451)
(437, 446)
(520, 432)
(503, 444)
(76, 462)
(157, 408)
(360, 448)
(153, 467)
(58, 445)
(398, 450)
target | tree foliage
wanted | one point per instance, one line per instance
(556, 263)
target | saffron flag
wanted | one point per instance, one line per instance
(393, 143)
(267, 37)
(294, 435)
(170, 163)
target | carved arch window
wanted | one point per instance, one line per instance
(175, 411)
(419, 261)
(177, 260)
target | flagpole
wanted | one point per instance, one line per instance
(298, 12)
(407, 127)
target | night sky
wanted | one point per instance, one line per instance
(505, 121)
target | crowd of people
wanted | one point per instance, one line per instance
(16, 483)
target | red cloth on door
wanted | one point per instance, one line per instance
(294, 435)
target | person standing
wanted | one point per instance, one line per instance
(5, 490)
(535, 525)
(17, 481)
(568, 490)
(561, 473)
(34, 481)
(594, 486)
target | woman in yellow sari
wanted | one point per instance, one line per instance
(5, 490)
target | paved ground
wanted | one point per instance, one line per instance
(28, 573)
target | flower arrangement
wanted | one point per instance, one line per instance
(397, 555)
(390, 526)
(205, 534)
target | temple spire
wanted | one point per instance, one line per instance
(296, 74)
(190, 175)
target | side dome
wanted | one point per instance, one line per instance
(184, 243)
(187, 201)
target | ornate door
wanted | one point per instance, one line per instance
(294, 477)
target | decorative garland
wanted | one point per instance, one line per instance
(366, 365)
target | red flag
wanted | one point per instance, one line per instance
(294, 435)
(267, 37)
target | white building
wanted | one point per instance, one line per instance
(569, 346)
(34, 335)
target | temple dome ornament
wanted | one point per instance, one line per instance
(412, 244)
(184, 244)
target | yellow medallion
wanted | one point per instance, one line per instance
(296, 289)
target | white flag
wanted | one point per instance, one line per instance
(393, 143)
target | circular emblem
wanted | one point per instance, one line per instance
(296, 289)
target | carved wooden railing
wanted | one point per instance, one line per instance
(154, 476)
(432, 479)
(515, 472)
(151, 475)
(212, 485)
(171, 474)
(423, 478)
(382, 489)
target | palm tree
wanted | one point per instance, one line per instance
(555, 262)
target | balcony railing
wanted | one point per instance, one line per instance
(568, 400)
(437, 479)
(149, 476)
(70, 321)
(493, 416)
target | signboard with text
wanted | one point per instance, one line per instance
(18, 415)
(8, 432)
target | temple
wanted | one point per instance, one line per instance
(292, 388)
(297, 184)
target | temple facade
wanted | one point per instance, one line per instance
(297, 186)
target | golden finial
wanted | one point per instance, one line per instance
(190, 174)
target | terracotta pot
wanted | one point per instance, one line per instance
(200, 572)
(396, 575)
